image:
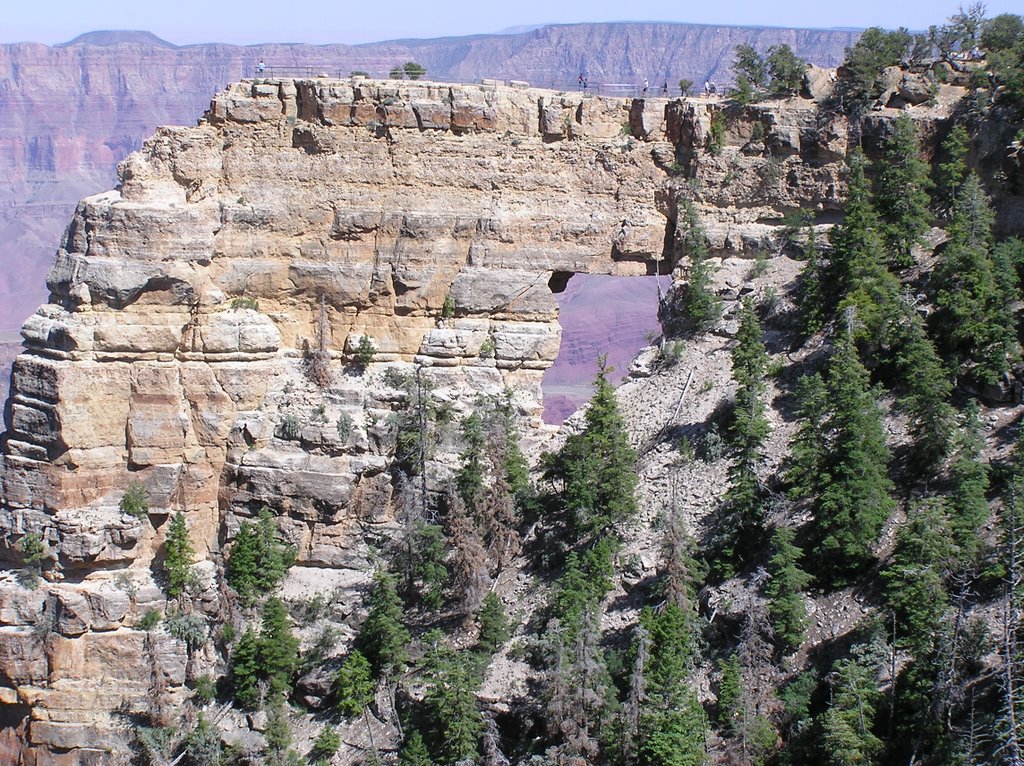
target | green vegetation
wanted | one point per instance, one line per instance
(354, 685)
(266, 660)
(596, 468)
(861, 72)
(258, 560)
(365, 352)
(135, 501)
(243, 302)
(383, 636)
(179, 556)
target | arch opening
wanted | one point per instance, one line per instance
(599, 314)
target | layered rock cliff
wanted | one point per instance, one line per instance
(69, 114)
(205, 318)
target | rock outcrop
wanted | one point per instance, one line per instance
(208, 323)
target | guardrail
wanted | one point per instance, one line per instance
(614, 89)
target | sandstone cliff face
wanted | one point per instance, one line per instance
(69, 114)
(297, 218)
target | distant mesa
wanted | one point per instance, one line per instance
(117, 37)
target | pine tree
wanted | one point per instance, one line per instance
(470, 477)
(246, 670)
(414, 751)
(354, 685)
(695, 302)
(855, 499)
(258, 560)
(951, 174)
(787, 608)
(915, 578)
(179, 556)
(383, 637)
(901, 193)
(451, 705)
(974, 292)
(969, 477)
(807, 451)
(494, 627)
(813, 306)
(279, 648)
(747, 432)
(847, 736)
(427, 569)
(597, 467)
(926, 390)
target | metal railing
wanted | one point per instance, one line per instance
(612, 89)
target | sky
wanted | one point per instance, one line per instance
(318, 22)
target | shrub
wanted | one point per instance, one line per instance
(149, 620)
(135, 501)
(448, 308)
(290, 428)
(33, 553)
(716, 135)
(365, 352)
(245, 303)
(488, 348)
(190, 629)
(325, 745)
(685, 86)
(344, 426)
(205, 689)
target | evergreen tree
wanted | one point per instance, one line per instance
(246, 670)
(179, 556)
(785, 70)
(672, 723)
(278, 648)
(951, 174)
(470, 477)
(494, 627)
(974, 293)
(847, 726)
(383, 637)
(787, 608)
(427, 570)
(354, 684)
(901, 193)
(258, 560)
(414, 751)
(915, 578)
(813, 306)
(597, 467)
(747, 432)
(925, 389)
(855, 498)
(694, 302)
(807, 451)
(969, 477)
(857, 269)
(451, 705)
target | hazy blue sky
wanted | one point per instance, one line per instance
(315, 21)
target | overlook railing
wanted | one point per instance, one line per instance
(614, 89)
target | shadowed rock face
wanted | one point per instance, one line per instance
(297, 218)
